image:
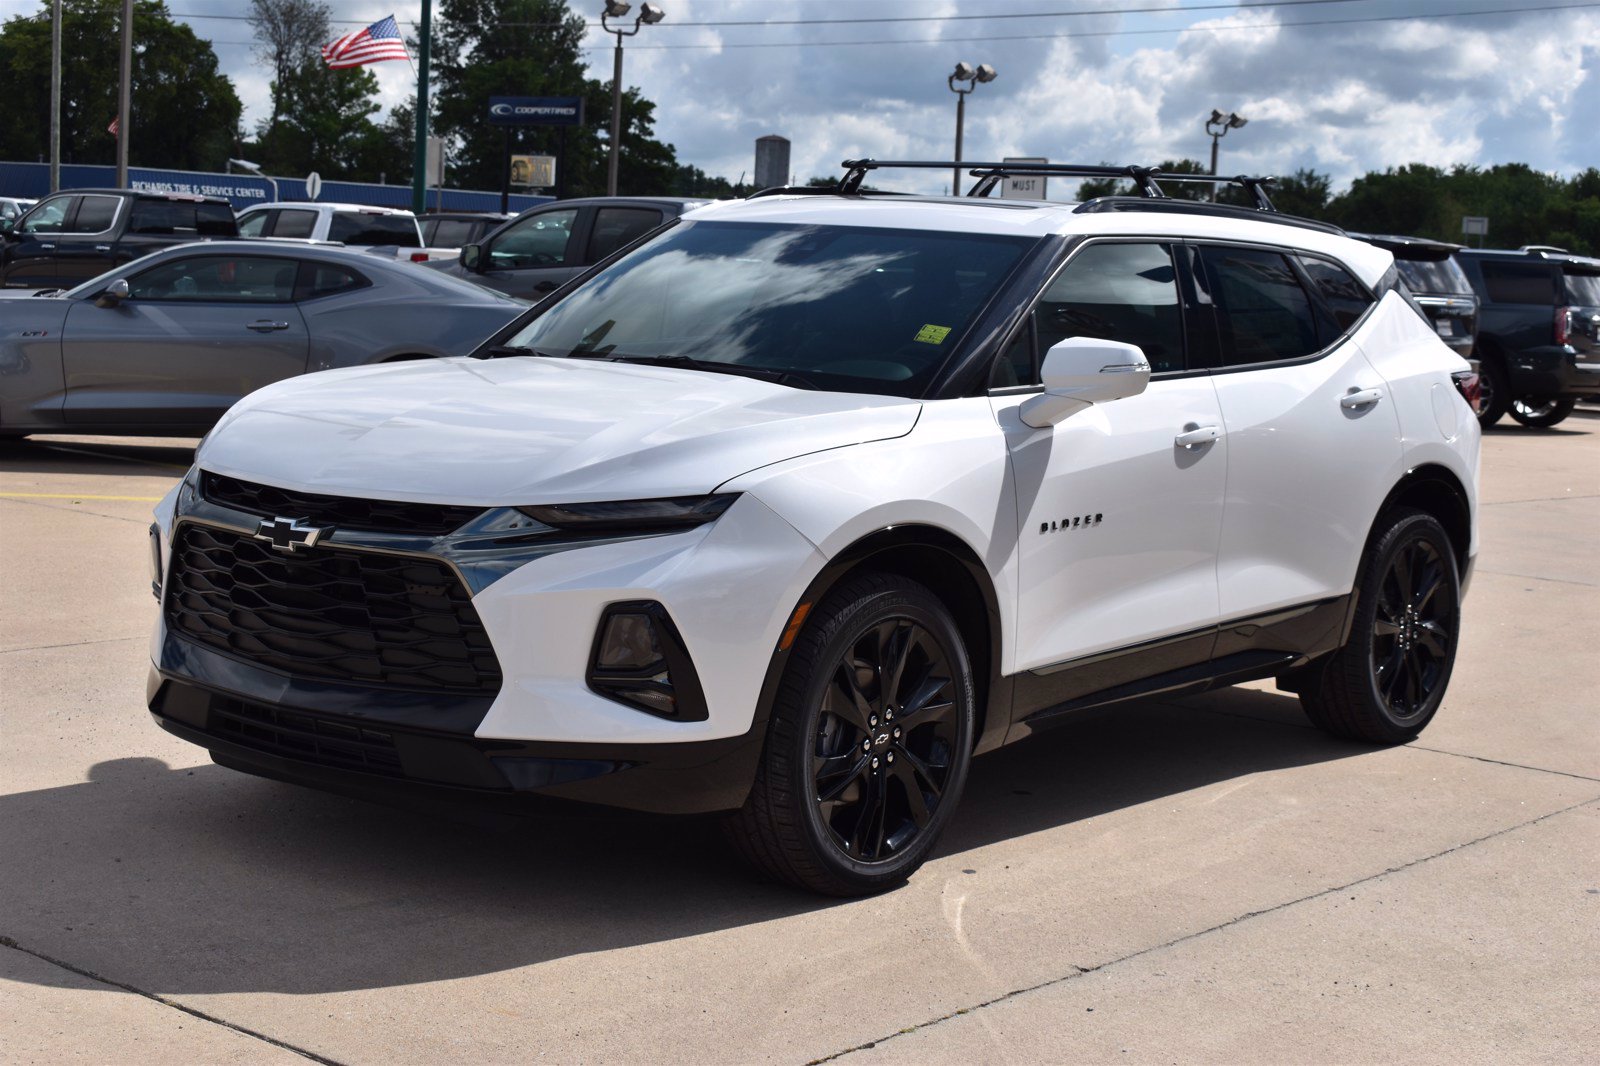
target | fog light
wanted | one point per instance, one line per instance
(155, 561)
(640, 659)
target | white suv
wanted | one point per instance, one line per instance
(793, 507)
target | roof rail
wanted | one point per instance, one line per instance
(1103, 204)
(1255, 186)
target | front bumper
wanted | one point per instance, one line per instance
(378, 751)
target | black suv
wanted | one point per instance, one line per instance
(1538, 331)
(70, 237)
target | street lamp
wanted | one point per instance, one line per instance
(972, 77)
(1218, 126)
(649, 15)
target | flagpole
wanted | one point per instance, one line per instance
(419, 170)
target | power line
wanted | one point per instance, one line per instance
(1106, 33)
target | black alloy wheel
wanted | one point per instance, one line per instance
(885, 740)
(1493, 388)
(1386, 682)
(868, 742)
(1413, 633)
(1544, 411)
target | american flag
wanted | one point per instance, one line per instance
(377, 42)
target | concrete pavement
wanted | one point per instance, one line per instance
(1205, 879)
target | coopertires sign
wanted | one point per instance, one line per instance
(535, 110)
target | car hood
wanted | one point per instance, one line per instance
(532, 430)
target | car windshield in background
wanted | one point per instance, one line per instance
(1433, 276)
(358, 227)
(842, 308)
(1583, 290)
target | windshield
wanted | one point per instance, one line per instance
(841, 308)
(1583, 290)
(1431, 277)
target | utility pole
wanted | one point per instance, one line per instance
(419, 171)
(124, 95)
(55, 96)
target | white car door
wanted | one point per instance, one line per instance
(1119, 520)
(1312, 430)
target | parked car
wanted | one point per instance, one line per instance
(11, 209)
(166, 344)
(388, 229)
(1436, 280)
(537, 251)
(1538, 331)
(800, 503)
(453, 229)
(70, 237)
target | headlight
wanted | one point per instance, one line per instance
(643, 516)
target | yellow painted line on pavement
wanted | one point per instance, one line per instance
(75, 496)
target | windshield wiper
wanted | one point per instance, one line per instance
(502, 351)
(685, 362)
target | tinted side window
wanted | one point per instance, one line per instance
(327, 279)
(617, 226)
(451, 232)
(95, 214)
(537, 241)
(354, 227)
(1519, 283)
(294, 223)
(219, 278)
(214, 220)
(1263, 315)
(1582, 289)
(251, 223)
(1116, 292)
(1346, 297)
(161, 217)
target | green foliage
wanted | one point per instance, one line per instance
(485, 48)
(1091, 188)
(1523, 205)
(325, 125)
(185, 112)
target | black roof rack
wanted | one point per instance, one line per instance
(1103, 204)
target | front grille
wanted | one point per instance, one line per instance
(306, 737)
(346, 512)
(323, 614)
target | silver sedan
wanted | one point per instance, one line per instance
(169, 342)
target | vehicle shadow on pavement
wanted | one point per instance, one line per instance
(203, 880)
(117, 456)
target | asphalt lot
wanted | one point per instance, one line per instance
(1200, 880)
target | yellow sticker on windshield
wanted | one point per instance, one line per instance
(933, 334)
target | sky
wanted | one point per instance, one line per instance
(1341, 86)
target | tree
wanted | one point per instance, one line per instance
(290, 32)
(185, 112)
(1304, 193)
(487, 48)
(326, 123)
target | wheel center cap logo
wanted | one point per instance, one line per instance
(290, 534)
(882, 739)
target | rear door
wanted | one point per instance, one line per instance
(616, 227)
(196, 334)
(1312, 430)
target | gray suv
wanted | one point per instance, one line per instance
(537, 251)
(1538, 331)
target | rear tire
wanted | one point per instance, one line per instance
(1387, 681)
(1542, 413)
(868, 744)
(1494, 392)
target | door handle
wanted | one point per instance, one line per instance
(48, 247)
(545, 286)
(263, 325)
(1360, 398)
(102, 247)
(1195, 437)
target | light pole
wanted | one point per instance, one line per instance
(649, 15)
(972, 77)
(1218, 126)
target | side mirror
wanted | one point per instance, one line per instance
(114, 294)
(1081, 371)
(471, 255)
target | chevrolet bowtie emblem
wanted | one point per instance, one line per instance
(290, 534)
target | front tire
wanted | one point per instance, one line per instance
(868, 745)
(1387, 681)
(1543, 413)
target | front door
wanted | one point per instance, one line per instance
(1119, 519)
(534, 255)
(196, 335)
(30, 254)
(88, 248)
